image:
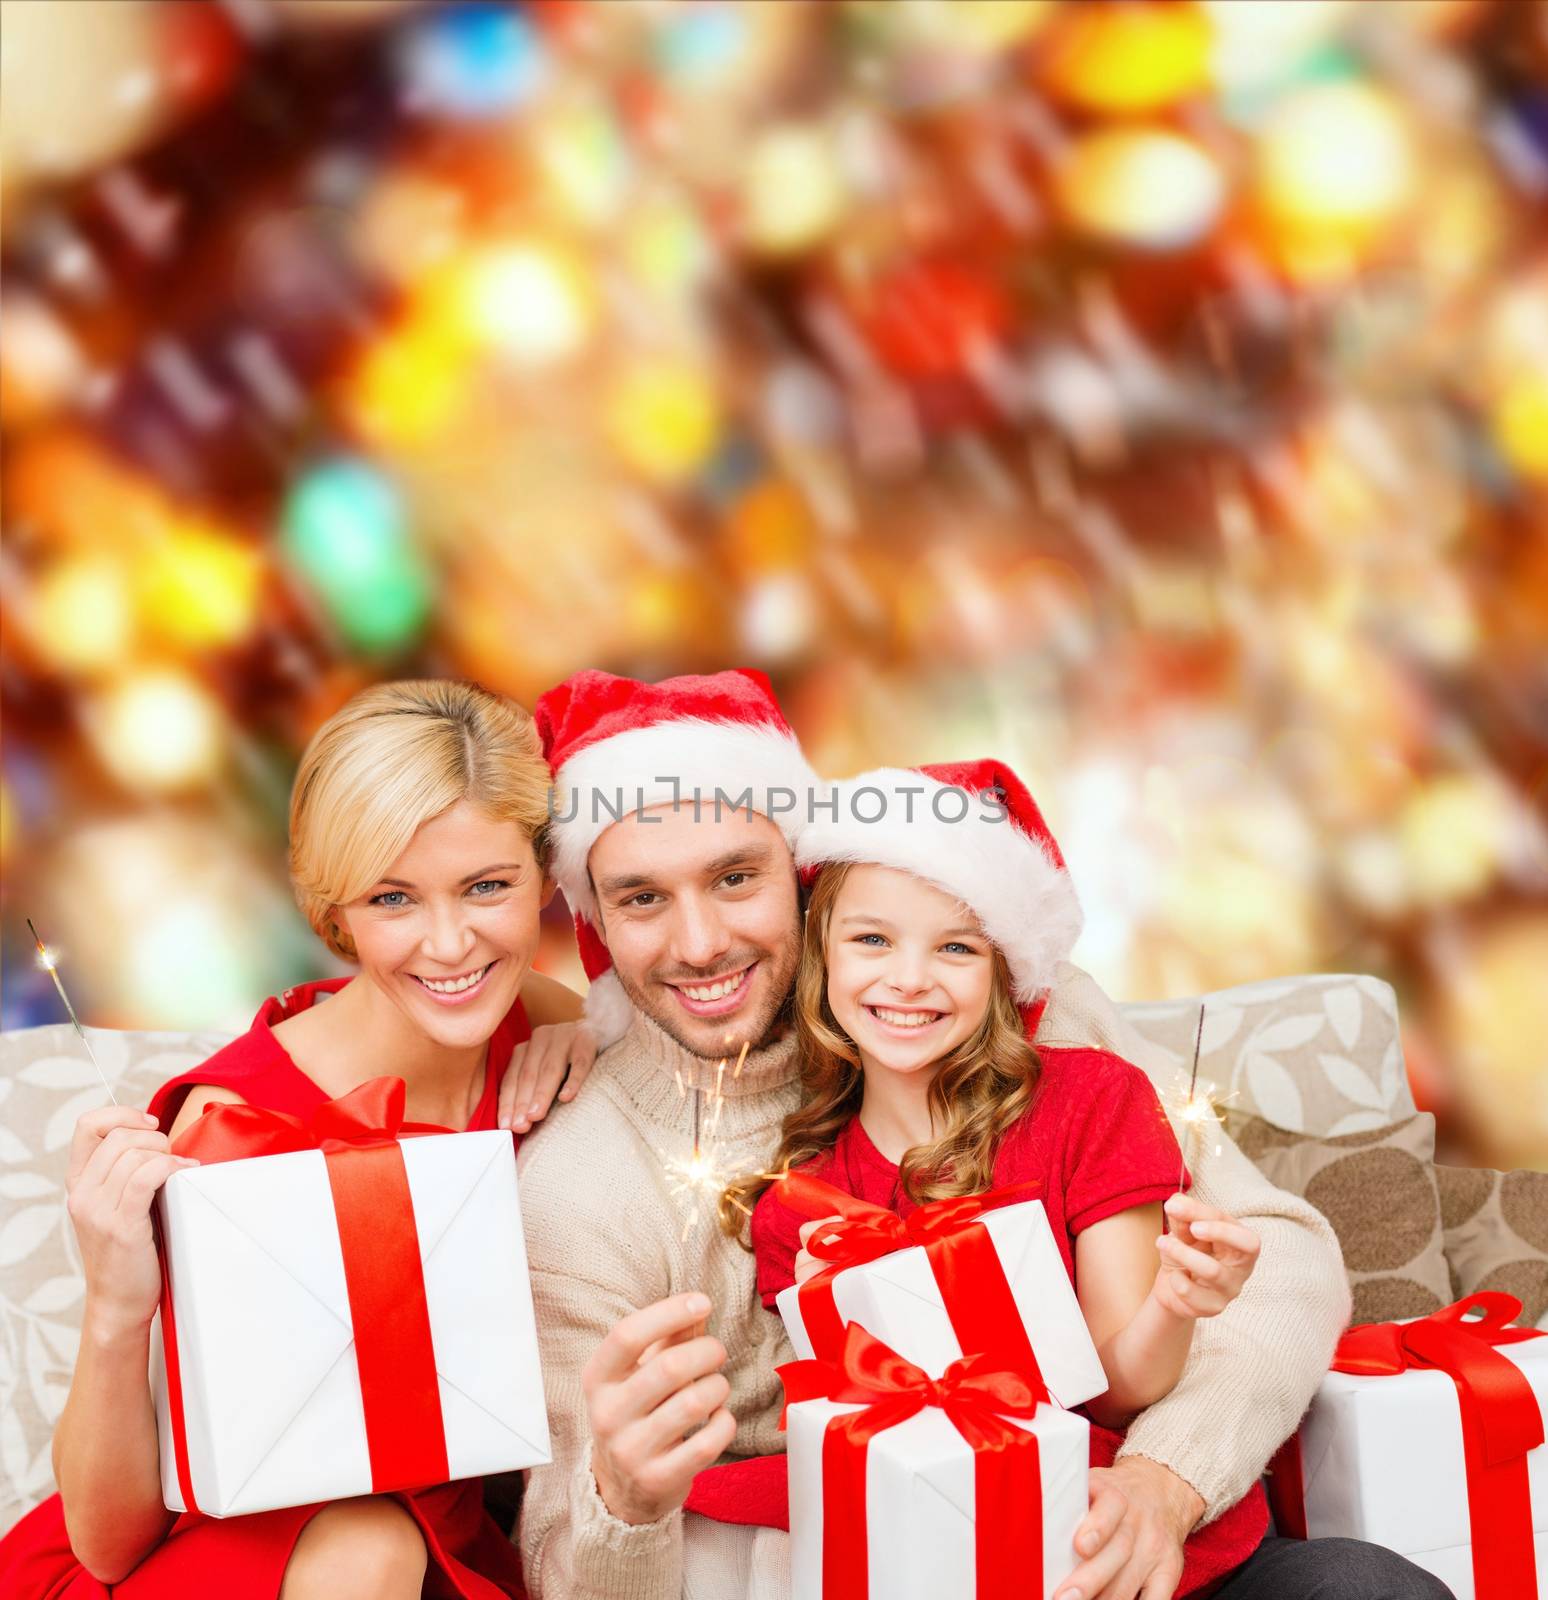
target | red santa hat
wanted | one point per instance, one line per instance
(616, 746)
(972, 829)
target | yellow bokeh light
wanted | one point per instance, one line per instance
(198, 587)
(1144, 186)
(792, 190)
(157, 731)
(82, 616)
(408, 387)
(534, 302)
(1128, 58)
(663, 418)
(1335, 171)
(1520, 420)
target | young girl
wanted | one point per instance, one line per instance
(417, 850)
(932, 933)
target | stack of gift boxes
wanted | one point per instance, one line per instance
(346, 1311)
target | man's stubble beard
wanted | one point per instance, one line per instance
(669, 1019)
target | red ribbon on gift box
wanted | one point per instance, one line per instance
(358, 1135)
(1501, 1422)
(957, 1245)
(977, 1395)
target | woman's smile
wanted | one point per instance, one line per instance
(458, 990)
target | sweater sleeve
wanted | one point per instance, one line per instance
(1252, 1370)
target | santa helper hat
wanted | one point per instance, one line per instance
(616, 746)
(972, 829)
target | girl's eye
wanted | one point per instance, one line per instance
(956, 944)
(391, 899)
(495, 884)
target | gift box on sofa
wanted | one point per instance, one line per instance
(1427, 1437)
(909, 1488)
(957, 1277)
(345, 1309)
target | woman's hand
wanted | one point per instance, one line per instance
(806, 1264)
(1205, 1258)
(538, 1067)
(118, 1160)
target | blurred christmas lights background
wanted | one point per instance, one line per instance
(1154, 395)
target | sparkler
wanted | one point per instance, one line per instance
(50, 964)
(1198, 1106)
(698, 1179)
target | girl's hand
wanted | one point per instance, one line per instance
(537, 1068)
(1205, 1259)
(806, 1264)
(118, 1160)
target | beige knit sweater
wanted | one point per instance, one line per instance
(605, 1235)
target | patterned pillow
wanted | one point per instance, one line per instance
(1497, 1234)
(46, 1082)
(1319, 1053)
(1378, 1189)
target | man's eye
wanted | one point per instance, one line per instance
(736, 879)
(640, 898)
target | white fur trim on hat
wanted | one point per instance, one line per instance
(635, 770)
(1024, 901)
(607, 1009)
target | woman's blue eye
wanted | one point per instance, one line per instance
(491, 883)
(390, 898)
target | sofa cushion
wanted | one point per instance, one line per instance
(46, 1082)
(1496, 1227)
(1315, 1054)
(1378, 1189)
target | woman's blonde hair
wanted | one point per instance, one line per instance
(389, 760)
(978, 1091)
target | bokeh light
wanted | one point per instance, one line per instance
(1150, 394)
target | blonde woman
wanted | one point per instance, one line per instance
(418, 852)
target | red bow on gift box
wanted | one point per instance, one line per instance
(1501, 1422)
(977, 1395)
(358, 1135)
(962, 1256)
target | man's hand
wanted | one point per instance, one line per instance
(1132, 1537)
(650, 1381)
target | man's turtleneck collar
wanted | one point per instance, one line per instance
(656, 1072)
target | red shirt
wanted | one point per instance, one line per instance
(1095, 1137)
(1097, 1140)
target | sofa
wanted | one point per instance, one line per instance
(1307, 1073)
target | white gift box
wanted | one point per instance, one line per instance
(919, 1493)
(896, 1299)
(1382, 1460)
(271, 1391)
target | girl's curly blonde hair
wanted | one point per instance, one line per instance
(978, 1092)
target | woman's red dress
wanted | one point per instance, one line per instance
(244, 1558)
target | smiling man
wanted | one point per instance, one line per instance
(675, 808)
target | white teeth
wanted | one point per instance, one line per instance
(906, 1019)
(716, 991)
(457, 987)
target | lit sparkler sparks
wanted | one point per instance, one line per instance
(1194, 1107)
(49, 962)
(698, 1178)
